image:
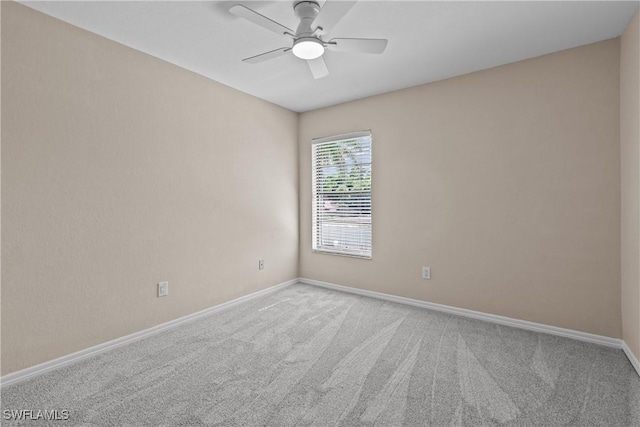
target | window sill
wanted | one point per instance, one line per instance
(328, 252)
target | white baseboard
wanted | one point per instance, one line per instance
(632, 357)
(22, 375)
(493, 318)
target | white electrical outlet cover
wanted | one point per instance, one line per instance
(426, 273)
(163, 289)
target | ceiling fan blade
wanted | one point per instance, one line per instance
(256, 18)
(318, 67)
(267, 55)
(358, 45)
(331, 13)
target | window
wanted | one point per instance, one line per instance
(342, 194)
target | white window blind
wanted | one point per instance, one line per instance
(342, 194)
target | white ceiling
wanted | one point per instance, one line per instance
(428, 40)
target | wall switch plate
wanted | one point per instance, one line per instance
(260, 264)
(163, 289)
(426, 273)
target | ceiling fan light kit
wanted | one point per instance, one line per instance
(308, 43)
(308, 48)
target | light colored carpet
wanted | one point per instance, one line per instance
(311, 356)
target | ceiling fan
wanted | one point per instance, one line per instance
(309, 38)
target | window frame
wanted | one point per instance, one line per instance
(315, 221)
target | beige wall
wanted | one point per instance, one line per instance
(505, 181)
(630, 167)
(120, 170)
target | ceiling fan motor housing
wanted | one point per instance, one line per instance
(307, 45)
(306, 10)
